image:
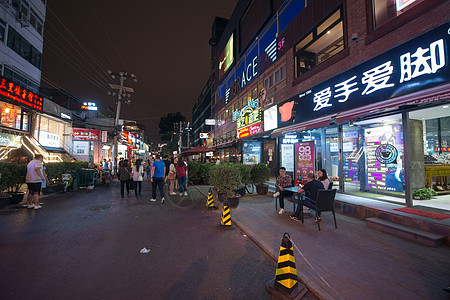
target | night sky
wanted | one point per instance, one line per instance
(164, 43)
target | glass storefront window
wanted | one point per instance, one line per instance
(331, 155)
(374, 157)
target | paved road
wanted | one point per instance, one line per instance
(85, 245)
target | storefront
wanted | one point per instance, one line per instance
(86, 144)
(17, 105)
(380, 129)
(53, 133)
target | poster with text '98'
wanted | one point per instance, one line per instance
(304, 154)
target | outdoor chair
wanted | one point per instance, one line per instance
(323, 202)
(330, 186)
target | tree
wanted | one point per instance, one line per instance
(166, 125)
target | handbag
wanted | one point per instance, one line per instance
(131, 185)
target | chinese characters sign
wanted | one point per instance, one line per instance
(416, 65)
(10, 140)
(304, 153)
(249, 130)
(82, 134)
(16, 93)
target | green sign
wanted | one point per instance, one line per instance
(10, 140)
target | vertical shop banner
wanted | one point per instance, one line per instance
(304, 153)
(104, 136)
(384, 158)
(287, 157)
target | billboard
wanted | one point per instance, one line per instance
(226, 58)
(82, 134)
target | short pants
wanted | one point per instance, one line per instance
(34, 187)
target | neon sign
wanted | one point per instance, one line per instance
(89, 106)
(252, 103)
(250, 72)
(16, 93)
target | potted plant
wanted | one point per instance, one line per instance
(424, 194)
(245, 177)
(194, 170)
(18, 174)
(5, 179)
(259, 175)
(226, 178)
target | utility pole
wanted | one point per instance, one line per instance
(123, 93)
(180, 140)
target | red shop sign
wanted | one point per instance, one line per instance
(82, 134)
(16, 93)
(249, 130)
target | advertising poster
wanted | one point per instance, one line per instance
(251, 153)
(304, 153)
(384, 158)
(287, 157)
(81, 134)
(351, 156)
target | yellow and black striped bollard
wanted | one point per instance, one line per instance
(286, 284)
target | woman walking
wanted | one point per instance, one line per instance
(171, 176)
(125, 176)
(138, 177)
(181, 169)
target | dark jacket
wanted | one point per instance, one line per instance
(125, 173)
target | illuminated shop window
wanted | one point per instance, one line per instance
(385, 10)
(10, 115)
(322, 43)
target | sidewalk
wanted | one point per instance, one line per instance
(351, 262)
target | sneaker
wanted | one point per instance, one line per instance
(185, 193)
(162, 200)
(317, 219)
(173, 193)
(30, 206)
(281, 211)
(153, 200)
(37, 207)
(276, 195)
(294, 217)
(181, 194)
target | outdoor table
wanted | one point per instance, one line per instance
(297, 195)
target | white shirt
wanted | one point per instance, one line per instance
(32, 175)
(137, 176)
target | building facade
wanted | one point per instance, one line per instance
(358, 88)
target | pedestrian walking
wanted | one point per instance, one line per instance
(171, 176)
(115, 167)
(157, 178)
(138, 177)
(124, 177)
(149, 168)
(34, 179)
(181, 169)
(166, 162)
(45, 182)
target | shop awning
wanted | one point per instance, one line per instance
(320, 122)
(198, 149)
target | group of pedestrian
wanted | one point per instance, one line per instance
(173, 172)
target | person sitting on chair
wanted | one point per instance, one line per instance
(283, 181)
(323, 177)
(310, 188)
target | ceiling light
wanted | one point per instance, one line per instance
(7, 110)
(328, 32)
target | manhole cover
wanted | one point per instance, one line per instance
(100, 207)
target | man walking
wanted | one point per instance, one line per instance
(157, 178)
(34, 179)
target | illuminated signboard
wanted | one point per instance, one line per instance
(270, 118)
(82, 134)
(10, 140)
(226, 58)
(418, 64)
(252, 104)
(16, 93)
(401, 4)
(89, 106)
(250, 72)
(249, 130)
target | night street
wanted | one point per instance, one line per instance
(85, 245)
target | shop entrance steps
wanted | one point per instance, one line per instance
(413, 234)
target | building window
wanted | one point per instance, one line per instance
(36, 22)
(322, 43)
(385, 10)
(22, 47)
(2, 30)
(10, 115)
